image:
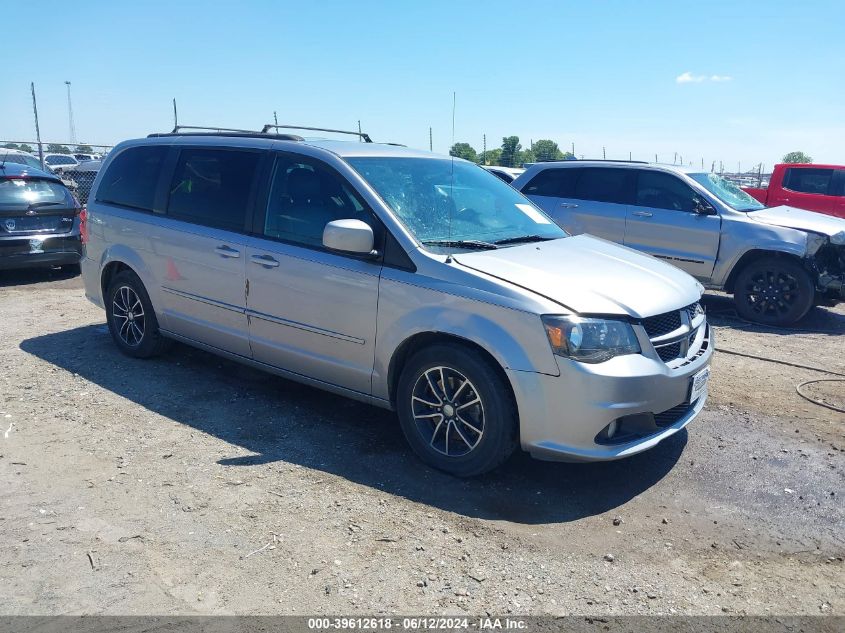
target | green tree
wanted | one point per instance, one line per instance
(492, 157)
(510, 151)
(83, 149)
(53, 148)
(568, 156)
(525, 156)
(11, 146)
(797, 157)
(465, 151)
(26, 148)
(544, 149)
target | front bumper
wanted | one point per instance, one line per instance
(562, 416)
(31, 251)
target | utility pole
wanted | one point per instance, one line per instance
(629, 156)
(484, 150)
(430, 140)
(603, 153)
(675, 159)
(275, 119)
(702, 162)
(655, 158)
(573, 148)
(360, 139)
(70, 115)
(175, 115)
(37, 129)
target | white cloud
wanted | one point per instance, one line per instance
(689, 78)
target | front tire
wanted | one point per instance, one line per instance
(773, 291)
(456, 410)
(131, 318)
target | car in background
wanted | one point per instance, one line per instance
(508, 174)
(819, 188)
(464, 307)
(59, 162)
(39, 219)
(79, 178)
(777, 262)
(20, 157)
(86, 157)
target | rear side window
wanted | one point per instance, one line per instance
(664, 191)
(21, 159)
(605, 185)
(808, 180)
(559, 183)
(212, 187)
(132, 177)
(22, 192)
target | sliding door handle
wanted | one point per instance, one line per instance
(642, 214)
(227, 251)
(264, 260)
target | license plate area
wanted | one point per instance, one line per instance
(698, 384)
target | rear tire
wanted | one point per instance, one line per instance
(131, 318)
(773, 291)
(456, 410)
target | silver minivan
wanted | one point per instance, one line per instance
(404, 279)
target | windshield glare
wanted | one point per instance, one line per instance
(727, 191)
(452, 200)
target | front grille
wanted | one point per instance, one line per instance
(669, 352)
(662, 323)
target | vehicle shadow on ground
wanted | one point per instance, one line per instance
(819, 320)
(277, 420)
(28, 276)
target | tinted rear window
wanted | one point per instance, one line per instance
(212, 187)
(808, 180)
(132, 177)
(559, 183)
(21, 159)
(605, 185)
(22, 192)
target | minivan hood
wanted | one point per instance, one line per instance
(589, 275)
(792, 218)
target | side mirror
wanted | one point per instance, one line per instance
(702, 207)
(349, 236)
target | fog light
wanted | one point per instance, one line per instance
(611, 429)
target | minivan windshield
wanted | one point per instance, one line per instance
(450, 204)
(727, 191)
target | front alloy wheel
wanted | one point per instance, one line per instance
(456, 409)
(448, 411)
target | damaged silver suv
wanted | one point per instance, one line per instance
(777, 262)
(411, 281)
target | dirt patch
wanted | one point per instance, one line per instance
(189, 484)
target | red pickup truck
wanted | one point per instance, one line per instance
(819, 188)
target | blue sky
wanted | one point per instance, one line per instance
(730, 81)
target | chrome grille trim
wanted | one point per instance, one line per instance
(678, 336)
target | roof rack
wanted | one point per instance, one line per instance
(362, 135)
(611, 160)
(197, 130)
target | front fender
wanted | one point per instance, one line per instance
(515, 339)
(742, 238)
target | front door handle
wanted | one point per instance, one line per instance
(568, 205)
(642, 214)
(227, 251)
(264, 260)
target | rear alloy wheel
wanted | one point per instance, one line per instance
(456, 411)
(131, 319)
(773, 291)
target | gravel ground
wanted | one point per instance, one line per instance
(189, 484)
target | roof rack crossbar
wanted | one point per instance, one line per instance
(362, 135)
(209, 128)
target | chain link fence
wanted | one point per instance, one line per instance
(77, 164)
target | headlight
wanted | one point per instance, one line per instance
(590, 340)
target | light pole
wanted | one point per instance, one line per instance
(71, 126)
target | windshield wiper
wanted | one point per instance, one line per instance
(524, 238)
(461, 244)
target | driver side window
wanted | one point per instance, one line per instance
(660, 190)
(304, 197)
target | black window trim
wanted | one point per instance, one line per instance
(162, 197)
